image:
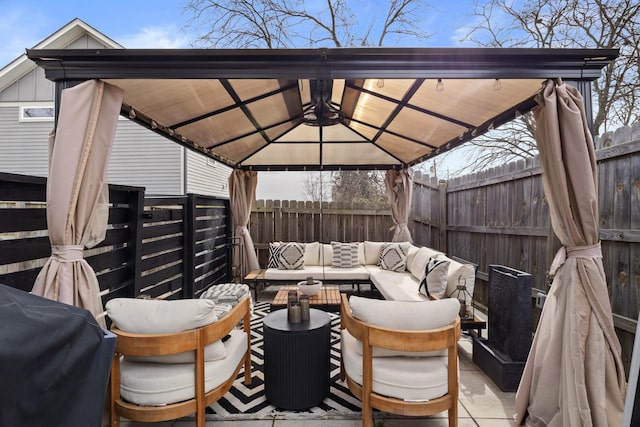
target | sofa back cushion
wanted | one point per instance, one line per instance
(459, 273)
(312, 253)
(418, 263)
(372, 252)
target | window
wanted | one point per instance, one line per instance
(37, 113)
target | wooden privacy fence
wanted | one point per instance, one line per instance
(501, 216)
(172, 247)
(275, 220)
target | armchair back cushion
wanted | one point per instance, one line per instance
(141, 316)
(404, 315)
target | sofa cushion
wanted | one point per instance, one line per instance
(459, 273)
(140, 316)
(372, 252)
(291, 256)
(394, 286)
(154, 384)
(312, 253)
(344, 255)
(411, 254)
(318, 272)
(393, 256)
(435, 280)
(326, 254)
(418, 264)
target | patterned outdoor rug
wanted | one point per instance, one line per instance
(249, 402)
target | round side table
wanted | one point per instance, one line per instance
(296, 359)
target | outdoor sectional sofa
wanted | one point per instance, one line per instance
(396, 269)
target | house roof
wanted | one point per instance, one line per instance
(60, 39)
(310, 109)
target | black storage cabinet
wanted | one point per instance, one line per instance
(54, 363)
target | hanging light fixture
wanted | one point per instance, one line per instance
(497, 85)
(321, 112)
(440, 86)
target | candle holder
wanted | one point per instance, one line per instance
(304, 308)
(293, 307)
(464, 297)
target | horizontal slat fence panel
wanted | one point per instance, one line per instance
(148, 248)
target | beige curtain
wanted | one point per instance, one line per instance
(574, 374)
(242, 193)
(77, 194)
(399, 185)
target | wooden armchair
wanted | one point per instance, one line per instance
(375, 360)
(136, 374)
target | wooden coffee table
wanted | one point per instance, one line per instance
(328, 299)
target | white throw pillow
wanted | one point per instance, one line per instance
(344, 255)
(435, 281)
(140, 316)
(291, 256)
(393, 256)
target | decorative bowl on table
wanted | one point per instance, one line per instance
(310, 290)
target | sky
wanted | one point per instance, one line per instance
(161, 24)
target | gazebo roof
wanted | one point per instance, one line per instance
(310, 109)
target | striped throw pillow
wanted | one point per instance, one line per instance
(345, 255)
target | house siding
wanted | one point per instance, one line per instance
(142, 158)
(139, 157)
(206, 176)
(23, 145)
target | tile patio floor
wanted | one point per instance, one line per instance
(481, 403)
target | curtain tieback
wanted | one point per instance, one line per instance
(398, 225)
(67, 253)
(241, 230)
(592, 251)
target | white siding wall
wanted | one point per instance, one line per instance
(143, 158)
(139, 157)
(23, 145)
(206, 176)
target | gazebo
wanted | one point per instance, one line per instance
(373, 108)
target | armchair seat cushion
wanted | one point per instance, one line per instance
(155, 384)
(406, 378)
